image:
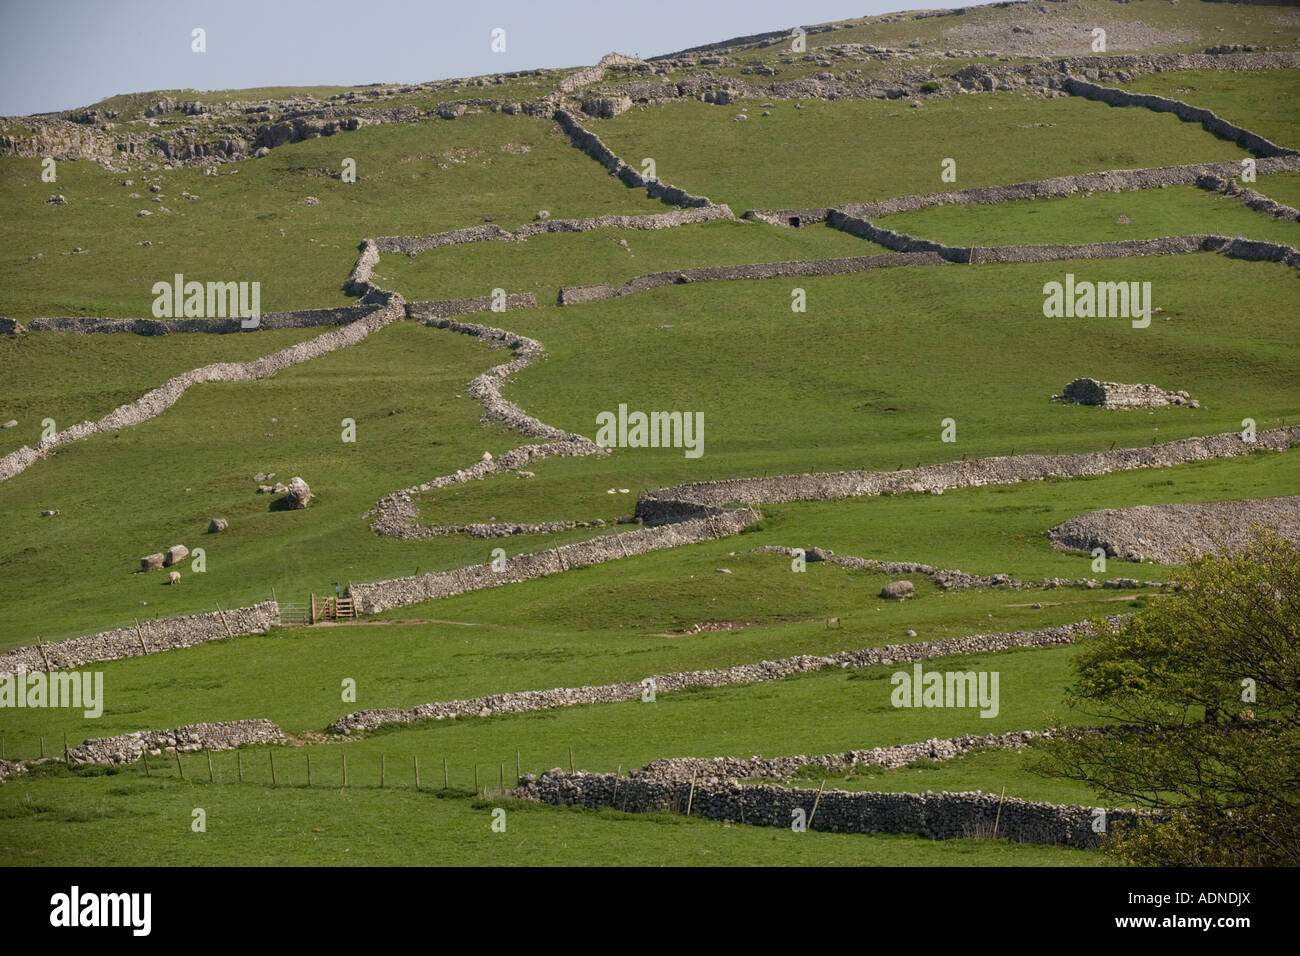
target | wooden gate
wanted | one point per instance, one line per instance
(330, 608)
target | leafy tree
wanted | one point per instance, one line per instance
(1205, 684)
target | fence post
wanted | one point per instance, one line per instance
(345, 770)
(139, 633)
(272, 753)
(503, 778)
(476, 780)
(416, 760)
(42, 748)
(383, 762)
(444, 774)
(145, 754)
(211, 779)
(178, 763)
(224, 622)
(518, 768)
(309, 769)
(690, 799)
(816, 802)
(239, 764)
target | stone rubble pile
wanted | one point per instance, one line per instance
(1169, 533)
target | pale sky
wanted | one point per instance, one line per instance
(62, 54)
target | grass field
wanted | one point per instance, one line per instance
(59, 821)
(1097, 217)
(1260, 101)
(411, 179)
(863, 379)
(831, 153)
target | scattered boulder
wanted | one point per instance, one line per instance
(176, 554)
(12, 423)
(217, 525)
(152, 562)
(49, 513)
(279, 488)
(543, 214)
(898, 590)
(56, 200)
(299, 494)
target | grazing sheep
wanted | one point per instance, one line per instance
(175, 577)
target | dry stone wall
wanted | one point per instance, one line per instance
(659, 505)
(1116, 395)
(304, 318)
(398, 592)
(532, 700)
(1114, 180)
(443, 308)
(149, 637)
(935, 816)
(783, 768)
(155, 402)
(1248, 197)
(1168, 533)
(396, 514)
(411, 245)
(591, 144)
(1184, 111)
(128, 748)
(574, 295)
(1248, 249)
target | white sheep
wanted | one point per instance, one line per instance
(175, 577)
